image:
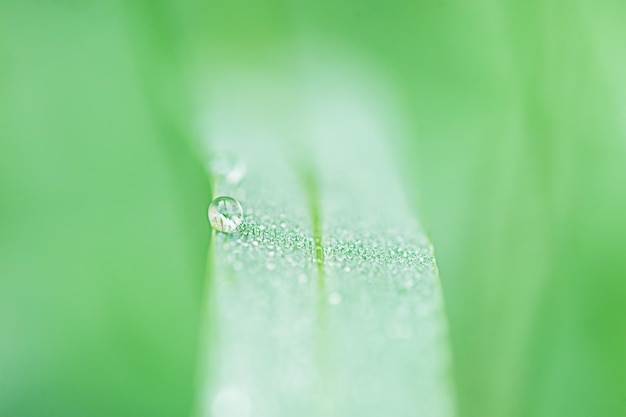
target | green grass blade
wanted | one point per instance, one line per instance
(326, 300)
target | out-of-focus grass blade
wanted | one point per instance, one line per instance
(102, 226)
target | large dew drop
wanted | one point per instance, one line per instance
(225, 214)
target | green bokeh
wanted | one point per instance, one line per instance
(516, 163)
(102, 252)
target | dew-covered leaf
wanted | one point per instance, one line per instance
(325, 300)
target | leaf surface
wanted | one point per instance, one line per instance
(326, 300)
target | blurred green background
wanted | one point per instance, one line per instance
(516, 162)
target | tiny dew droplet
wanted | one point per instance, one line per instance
(225, 214)
(227, 168)
(334, 298)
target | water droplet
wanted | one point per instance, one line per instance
(271, 266)
(231, 402)
(334, 299)
(225, 214)
(227, 168)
